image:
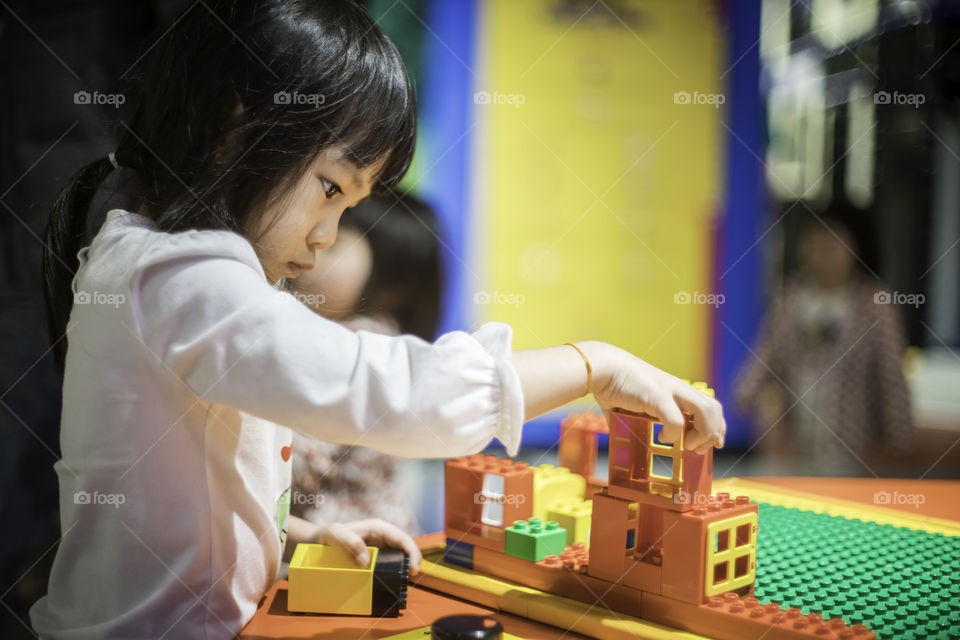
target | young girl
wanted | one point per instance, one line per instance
(257, 125)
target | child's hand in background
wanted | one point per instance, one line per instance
(621, 380)
(355, 537)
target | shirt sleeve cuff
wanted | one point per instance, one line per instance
(497, 338)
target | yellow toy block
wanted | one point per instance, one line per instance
(574, 516)
(552, 485)
(699, 385)
(324, 579)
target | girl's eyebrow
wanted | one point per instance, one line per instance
(351, 169)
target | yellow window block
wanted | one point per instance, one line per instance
(324, 579)
(552, 485)
(731, 554)
(574, 516)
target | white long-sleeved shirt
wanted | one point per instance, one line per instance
(183, 362)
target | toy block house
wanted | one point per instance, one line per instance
(657, 527)
(659, 544)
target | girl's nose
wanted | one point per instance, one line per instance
(322, 238)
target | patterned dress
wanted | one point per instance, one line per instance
(831, 367)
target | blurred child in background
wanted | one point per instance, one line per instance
(825, 384)
(383, 274)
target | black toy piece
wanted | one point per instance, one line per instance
(466, 627)
(389, 583)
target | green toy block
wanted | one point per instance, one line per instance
(533, 540)
(902, 583)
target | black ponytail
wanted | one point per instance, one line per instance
(63, 238)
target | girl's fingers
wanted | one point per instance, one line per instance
(382, 533)
(709, 427)
(350, 541)
(666, 409)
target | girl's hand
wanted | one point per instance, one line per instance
(621, 380)
(354, 537)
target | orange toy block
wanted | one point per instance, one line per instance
(690, 554)
(482, 494)
(633, 475)
(733, 617)
(612, 530)
(559, 577)
(578, 444)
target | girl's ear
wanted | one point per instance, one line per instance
(228, 147)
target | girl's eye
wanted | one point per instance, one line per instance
(330, 189)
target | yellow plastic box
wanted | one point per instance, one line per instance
(324, 579)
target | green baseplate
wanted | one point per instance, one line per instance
(900, 582)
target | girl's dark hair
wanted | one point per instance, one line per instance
(406, 280)
(238, 99)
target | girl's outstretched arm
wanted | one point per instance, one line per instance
(553, 376)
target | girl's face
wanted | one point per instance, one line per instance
(289, 233)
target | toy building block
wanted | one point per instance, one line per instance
(901, 582)
(483, 493)
(578, 444)
(574, 516)
(534, 540)
(553, 484)
(711, 550)
(633, 473)
(458, 627)
(324, 579)
(563, 576)
(735, 616)
(459, 553)
(612, 531)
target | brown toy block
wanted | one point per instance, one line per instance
(578, 443)
(634, 476)
(733, 617)
(508, 493)
(613, 523)
(691, 553)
